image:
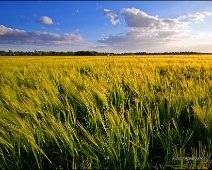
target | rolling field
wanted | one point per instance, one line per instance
(106, 112)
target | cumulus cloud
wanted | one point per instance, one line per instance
(21, 37)
(113, 17)
(147, 32)
(136, 18)
(46, 20)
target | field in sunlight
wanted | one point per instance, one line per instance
(106, 112)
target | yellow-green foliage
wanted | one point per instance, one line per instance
(106, 112)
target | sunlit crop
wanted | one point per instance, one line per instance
(106, 112)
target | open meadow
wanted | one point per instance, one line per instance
(106, 112)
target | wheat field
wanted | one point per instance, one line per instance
(119, 112)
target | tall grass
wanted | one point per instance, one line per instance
(106, 112)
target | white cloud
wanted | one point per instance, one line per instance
(136, 18)
(113, 17)
(21, 37)
(196, 17)
(135, 40)
(5, 30)
(46, 20)
(107, 12)
(114, 20)
(151, 33)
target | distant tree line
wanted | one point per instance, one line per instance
(84, 53)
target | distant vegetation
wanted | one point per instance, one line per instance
(106, 112)
(84, 53)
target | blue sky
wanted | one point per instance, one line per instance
(120, 26)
